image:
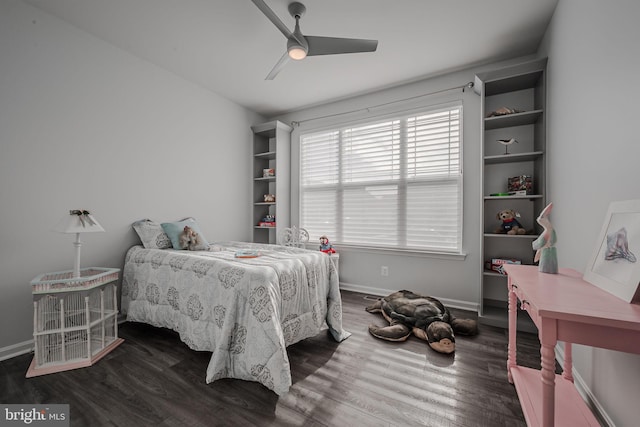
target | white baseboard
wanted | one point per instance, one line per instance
(16, 350)
(451, 303)
(584, 391)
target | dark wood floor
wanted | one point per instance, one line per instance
(153, 379)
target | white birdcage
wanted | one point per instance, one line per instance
(74, 319)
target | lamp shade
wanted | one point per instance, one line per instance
(78, 221)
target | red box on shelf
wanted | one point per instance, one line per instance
(497, 264)
(519, 183)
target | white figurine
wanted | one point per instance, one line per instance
(544, 244)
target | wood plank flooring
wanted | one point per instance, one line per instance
(153, 379)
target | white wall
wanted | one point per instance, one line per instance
(86, 125)
(594, 147)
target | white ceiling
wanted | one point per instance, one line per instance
(229, 46)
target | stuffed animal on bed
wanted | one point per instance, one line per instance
(191, 240)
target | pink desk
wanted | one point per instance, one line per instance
(564, 308)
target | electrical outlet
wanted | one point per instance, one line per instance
(384, 271)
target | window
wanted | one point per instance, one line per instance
(393, 183)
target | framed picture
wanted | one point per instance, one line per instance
(614, 266)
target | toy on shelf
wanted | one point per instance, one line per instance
(510, 225)
(269, 198)
(544, 245)
(507, 143)
(497, 264)
(520, 183)
(325, 246)
(503, 111)
(268, 221)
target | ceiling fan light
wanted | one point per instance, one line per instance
(297, 52)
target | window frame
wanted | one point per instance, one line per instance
(403, 116)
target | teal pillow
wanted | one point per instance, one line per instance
(174, 229)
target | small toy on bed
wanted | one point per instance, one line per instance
(248, 253)
(325, 246)
(425, 317)
(191, 240)
(510, 224)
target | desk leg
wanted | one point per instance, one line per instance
(548, 342)
(513, 325)
(567, 369)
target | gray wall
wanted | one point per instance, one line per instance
(86, 125)
(593, 154)
(594, 147)
(455, 280)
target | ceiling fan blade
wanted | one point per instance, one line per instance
(279, 66)
(336, 45)
(274, 19)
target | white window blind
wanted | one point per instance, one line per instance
(393, 183)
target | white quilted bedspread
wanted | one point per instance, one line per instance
(245, 311)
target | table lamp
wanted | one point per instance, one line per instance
(78, 221)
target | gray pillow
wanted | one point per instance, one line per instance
(151, 234)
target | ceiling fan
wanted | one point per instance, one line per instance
(300, 46)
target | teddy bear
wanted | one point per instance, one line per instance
(191, 240)
(510, 224)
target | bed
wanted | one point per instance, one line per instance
(246, 311)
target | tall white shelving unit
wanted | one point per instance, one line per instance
(521, 87)
(271, 150)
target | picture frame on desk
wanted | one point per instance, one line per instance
(614, 265)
